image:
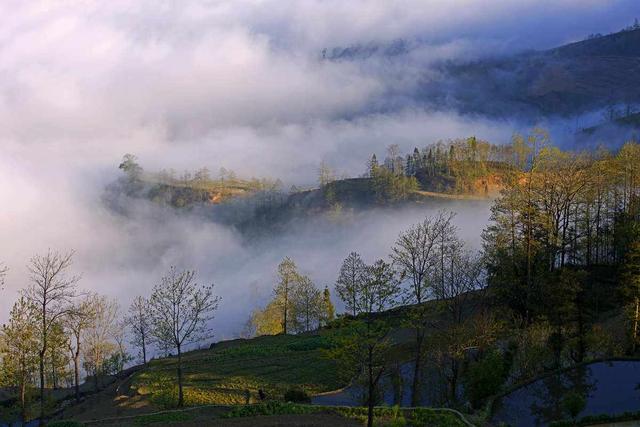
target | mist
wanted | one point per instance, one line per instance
(240, 85)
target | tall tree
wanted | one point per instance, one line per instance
(19, 349)
(350, 281)
(307, 301)
(51, 290)
(99, 336)
(81, 317)
(413, 256)
(363, 350)
(139, 321)
(631, 291)
(284, 292)
(180, 312)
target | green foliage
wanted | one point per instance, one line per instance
(65, 423)
(296, 395)
(391, 187)
(590, 420)
(271, 408)
(163, 418)
(574, 403)
(485, 377)
(222, 375)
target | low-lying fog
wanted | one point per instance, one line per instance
(239, 85)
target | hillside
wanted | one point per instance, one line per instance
(597, 73)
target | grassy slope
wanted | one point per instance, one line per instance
(224, 374)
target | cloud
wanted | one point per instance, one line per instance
(239, 84)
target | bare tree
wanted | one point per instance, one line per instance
(350, 281)
(99, 336)
(139, 321)
(81, 317)
(51, 290)
(364, 351)
(307, 300)
(413, 256)
(180, 311)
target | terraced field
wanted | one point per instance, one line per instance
(234, 371)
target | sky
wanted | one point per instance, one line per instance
(237, 84)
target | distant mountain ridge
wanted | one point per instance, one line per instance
(597, 73)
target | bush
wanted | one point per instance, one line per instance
(65, 423)
(270, 408)
(165, 418)
(574, 403)
(296, 395)
(485, 377)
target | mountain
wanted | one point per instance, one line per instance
(602, 72)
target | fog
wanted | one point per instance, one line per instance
(240, 85)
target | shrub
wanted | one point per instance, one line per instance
(65, 423)
(573, 403)
(485, 377)
(296, 395)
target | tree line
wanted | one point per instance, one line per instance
(57, 332)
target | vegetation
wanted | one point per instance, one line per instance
(180, 312)
(557, 283)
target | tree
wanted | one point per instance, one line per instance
(350, 281)
(267, 321)
(19, 348)
(284, 292)
(307, 303)
(131, 167)
(51, 291)
(631, 290)
(81, 317)
(372, 166)
(363, 349)
(139, 321)
(3, 275)
(328, 311)
(180, 312)
(326, 175)
(413, 256)
(99, 336)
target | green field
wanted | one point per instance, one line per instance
(225, 374)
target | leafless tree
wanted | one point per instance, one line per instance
(81, 317)
(413, 256)
(51, 290)
(139, 321)
(99, 336)
(180, 311)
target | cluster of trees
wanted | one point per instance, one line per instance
(562, 232)
(298, 305)
(57, 332)
(429, 262)
(452, 165)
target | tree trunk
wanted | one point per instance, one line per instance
(415, 392)
(370, 400)
(635, 325)
(144, 351)
(180, 393)
(23, 405)
(41, 367)
(76, 369)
